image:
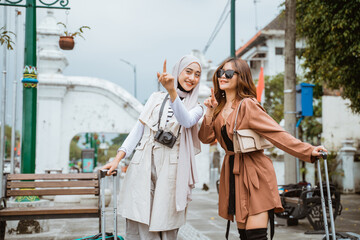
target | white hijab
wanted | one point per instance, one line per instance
(189, 141)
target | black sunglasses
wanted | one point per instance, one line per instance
(228, 73)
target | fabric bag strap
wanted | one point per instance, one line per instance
(237, 113)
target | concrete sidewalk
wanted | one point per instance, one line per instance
(203, 223)
(203, 216)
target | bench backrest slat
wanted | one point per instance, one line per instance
(60, 176)
(49, 192)
(52, 184)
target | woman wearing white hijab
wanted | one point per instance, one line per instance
(158, 183)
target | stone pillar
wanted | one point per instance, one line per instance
(51, 63)
(346, 156)
(51, 60)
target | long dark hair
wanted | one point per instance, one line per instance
(245, 86)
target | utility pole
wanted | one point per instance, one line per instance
(290, 86)
(256, 23)
(232, 29)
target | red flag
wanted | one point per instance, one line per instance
(261, 85)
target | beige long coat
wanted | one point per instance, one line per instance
(135, 198)
(255, 180)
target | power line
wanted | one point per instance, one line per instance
(218, 26)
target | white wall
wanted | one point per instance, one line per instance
(339, 123)
(71, 105)
(275, 64)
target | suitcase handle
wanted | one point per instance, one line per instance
(323, 155)
(103, 172)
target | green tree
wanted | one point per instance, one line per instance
(274, 96)
(310, 128)
(8, 140)
(119, 139)
(112, 151)
(75, 150)
(332, 53)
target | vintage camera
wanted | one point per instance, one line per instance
(166, 138)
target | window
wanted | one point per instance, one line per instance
(260, 55)
(253, 64)
(279, 51)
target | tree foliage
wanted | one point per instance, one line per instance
(75, 150)
(274, 96)
(8, 140)
(310, 128)
(119, 139)
(332, 54)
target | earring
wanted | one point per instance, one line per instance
(223, 94)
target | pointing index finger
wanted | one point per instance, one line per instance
(212, 94)
(164, 67)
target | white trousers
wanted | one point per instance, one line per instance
(140, 231)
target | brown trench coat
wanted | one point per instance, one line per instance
(255, 180)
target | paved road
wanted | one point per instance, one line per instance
(202, 216)
(203, 223)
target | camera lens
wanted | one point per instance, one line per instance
(167, 138)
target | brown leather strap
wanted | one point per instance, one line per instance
(237, 113)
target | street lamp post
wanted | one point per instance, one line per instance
(232, 29)
(134, 68)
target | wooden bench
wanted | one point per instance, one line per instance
(50, 185)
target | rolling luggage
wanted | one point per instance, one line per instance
(106, 235)
(334, 235)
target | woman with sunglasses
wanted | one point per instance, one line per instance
(248, 187)
(162, 172)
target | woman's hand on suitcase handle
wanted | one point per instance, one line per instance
(319, 151)
(113, 164)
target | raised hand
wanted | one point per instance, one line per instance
(166, 79)
(211, 102)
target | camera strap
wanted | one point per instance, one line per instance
(162, 109)
(161, 112)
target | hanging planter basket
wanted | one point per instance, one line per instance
(66, 42)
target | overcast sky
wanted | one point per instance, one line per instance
(145, 32)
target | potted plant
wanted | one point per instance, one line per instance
(66, 41)
(6, 39)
